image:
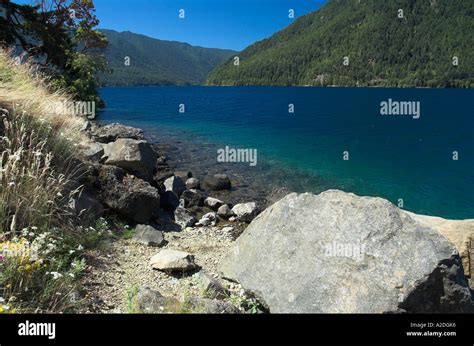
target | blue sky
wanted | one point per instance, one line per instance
(232, 24)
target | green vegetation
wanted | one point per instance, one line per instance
(41, 239)
(157, 62)
(59, 37)
(383, 49)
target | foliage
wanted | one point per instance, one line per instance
(157, 62)
(59, 36)
(383, 49)
(41, 240)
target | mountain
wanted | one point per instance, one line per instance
(157, 62)
(414, 47)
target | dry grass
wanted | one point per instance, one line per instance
(23, 89)
(38, 177)
(37, 147)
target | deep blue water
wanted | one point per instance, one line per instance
(395, 157)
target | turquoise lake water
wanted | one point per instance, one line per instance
(391, 156)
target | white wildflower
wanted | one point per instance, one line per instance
(56, 275)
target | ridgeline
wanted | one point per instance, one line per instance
(402, 43)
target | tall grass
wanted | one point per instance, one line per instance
(39, 235)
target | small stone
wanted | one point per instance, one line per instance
(184, 217)
(192, 183)
(172, 260)
(213, 203)
(148, 235)
(224, 211)
(246, 212)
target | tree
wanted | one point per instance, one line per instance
(59, 36)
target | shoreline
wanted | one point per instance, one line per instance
(191, 219)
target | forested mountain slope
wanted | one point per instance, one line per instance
(399, 43)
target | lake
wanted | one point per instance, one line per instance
(339, 138)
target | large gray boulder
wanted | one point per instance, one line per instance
(136, 157)
(340, 253)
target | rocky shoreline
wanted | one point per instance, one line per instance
(187, 253)
(169, 210)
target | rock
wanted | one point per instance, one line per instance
(232, 219)
(86, 207)
(127, 195)
(169, 200)
(340, 253)
(218, 182)
(148, 235)
(209, 306)
(459, 232)
(86, 126)
(160, 177)
(210, 286)
(184, 218)
(173, 260)
(204, 222)
(192, 183)
(112, 132)
(175, 184)
(184, 175)
(135, 157)
(213, 203)
(192, 198)
(245, 212)
(93, 151)
(225, 212)
(150, 301)
(208, 219)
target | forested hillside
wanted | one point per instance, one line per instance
(153, 61)
(399, 43)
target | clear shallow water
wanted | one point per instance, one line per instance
(395, 157)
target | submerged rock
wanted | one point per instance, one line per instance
(218, 182)
(340, 253)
